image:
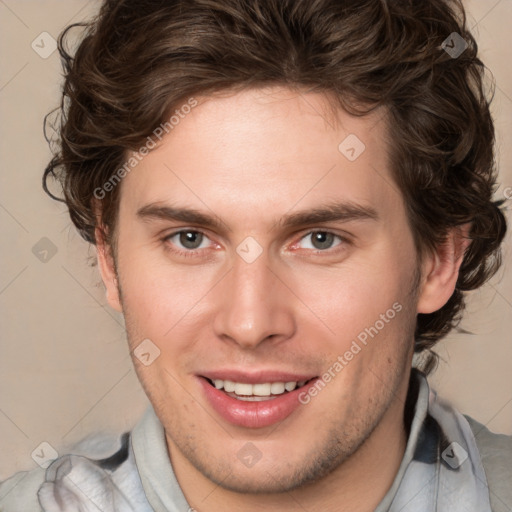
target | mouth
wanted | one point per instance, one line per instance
(254, 402)
(256, 392)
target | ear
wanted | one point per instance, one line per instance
(107, 270)
(440, 270)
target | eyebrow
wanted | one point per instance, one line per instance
(331, 212)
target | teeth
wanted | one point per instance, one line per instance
(260, 390)
(290, 386)
(252, 398)
(277, 388)
(242, 389)
(253, 391)
(229, 386)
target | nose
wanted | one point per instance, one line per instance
(254, 305)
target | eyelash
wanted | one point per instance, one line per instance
(193, 252)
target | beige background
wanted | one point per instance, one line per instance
(65, 370)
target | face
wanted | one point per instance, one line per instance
(269, 260)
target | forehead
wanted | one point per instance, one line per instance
(265, 150)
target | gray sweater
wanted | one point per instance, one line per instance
(134, 473)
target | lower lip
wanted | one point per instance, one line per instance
(252, 414)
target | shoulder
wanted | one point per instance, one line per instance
(19, 492)
(496, 454)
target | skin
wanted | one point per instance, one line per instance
(250, 159)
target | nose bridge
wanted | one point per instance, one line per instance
(254, 305)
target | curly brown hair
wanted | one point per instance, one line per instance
(138, 60)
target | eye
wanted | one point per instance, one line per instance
(188, 239)
(321, 240)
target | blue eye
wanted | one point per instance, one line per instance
(189, 239)
(192, 242)
(322, 240)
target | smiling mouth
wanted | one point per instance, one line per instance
(256, 392)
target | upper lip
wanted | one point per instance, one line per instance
(255, 377)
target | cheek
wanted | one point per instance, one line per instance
(353, 296)
(159, 298)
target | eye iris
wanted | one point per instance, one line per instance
(322, 240)
(191, 239)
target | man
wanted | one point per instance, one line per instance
(288, 201)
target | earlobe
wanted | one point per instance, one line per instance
(441, 270)
(107, 271)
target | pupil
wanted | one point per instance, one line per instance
(191, 239)
(322, 240)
